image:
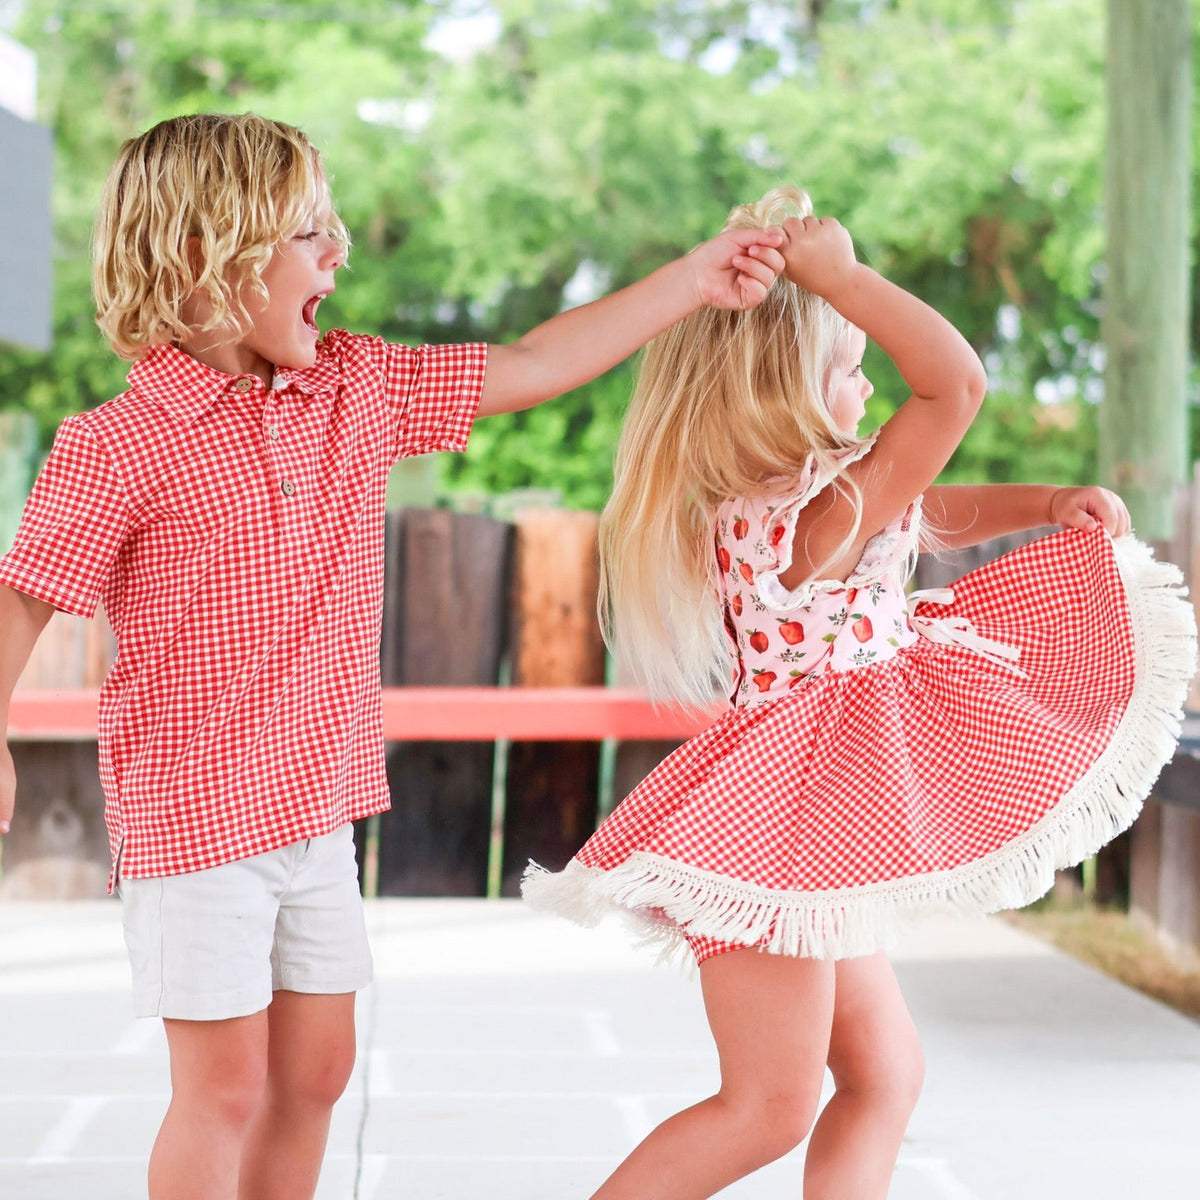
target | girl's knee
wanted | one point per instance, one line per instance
(771, 1126)
(912, 1078)
(787, 1122)
(894, 1079)
(904, 1073)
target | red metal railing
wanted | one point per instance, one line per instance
(415, 714)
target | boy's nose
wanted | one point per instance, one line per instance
(334, 255)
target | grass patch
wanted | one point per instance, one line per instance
(1108, 940)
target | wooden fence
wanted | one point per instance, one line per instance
(504, 743)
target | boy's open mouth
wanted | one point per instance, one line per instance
(309, 312)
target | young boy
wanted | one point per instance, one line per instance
(228, 509)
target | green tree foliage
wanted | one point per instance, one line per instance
(490, 182)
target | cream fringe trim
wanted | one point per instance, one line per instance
(660, 895)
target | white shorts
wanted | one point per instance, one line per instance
(216, 944)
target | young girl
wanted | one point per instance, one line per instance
(880, 756)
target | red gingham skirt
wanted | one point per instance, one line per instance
(936, 779)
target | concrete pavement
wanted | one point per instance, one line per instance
(508, 1056)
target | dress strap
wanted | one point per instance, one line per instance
(958, 631)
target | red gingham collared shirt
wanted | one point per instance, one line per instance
(235, 537)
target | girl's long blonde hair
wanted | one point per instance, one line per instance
(198, 203)
(725, 403)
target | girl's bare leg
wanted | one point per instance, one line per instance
(770, 1017)
(877, 1065)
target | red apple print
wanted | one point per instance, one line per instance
(777, 534)
(851, 593)
(759, 641)
(723, 558)
(797, 677)
(747, 571)
(792, 632)
(741, 527)
(763, 680)
(862, 629)
(736, 604)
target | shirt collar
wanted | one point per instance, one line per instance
(187, 389)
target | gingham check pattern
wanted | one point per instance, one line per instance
(235, 537)
(908, 767)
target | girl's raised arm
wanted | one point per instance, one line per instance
(967, 514)
(945, 375)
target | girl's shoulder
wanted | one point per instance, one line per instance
(780, 499)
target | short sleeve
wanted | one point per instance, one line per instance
(74, 522)
(433, 393)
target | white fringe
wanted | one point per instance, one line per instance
(660, 895)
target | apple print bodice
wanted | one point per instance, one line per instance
(779, 639)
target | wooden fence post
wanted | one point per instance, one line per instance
(445, 615)
(552, 787)
(58, 847)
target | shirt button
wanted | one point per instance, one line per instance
(287, 487)
(273, 432)
(243, 385)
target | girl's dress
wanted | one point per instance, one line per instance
(886, 755)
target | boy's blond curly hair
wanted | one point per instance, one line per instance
(198, 203)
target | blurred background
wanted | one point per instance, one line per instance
(497, 162)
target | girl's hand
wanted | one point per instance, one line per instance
(1089, 507)
(736, 269)
(819, 254)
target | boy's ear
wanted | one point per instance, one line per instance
(197, 305)
(195, 256)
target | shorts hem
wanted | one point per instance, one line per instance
(222, 1007)
(323, 987)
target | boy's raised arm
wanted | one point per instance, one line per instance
(22, 619)
(733, 270)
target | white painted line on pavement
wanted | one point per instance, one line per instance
(635, 1113)
(379, 1075)
(62, 1136)
(601, 1035)
(938, 1172)
(139, 1037)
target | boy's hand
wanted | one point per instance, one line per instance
(8, 787)
(736, 269)
(1088, 507)
(818, 254)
